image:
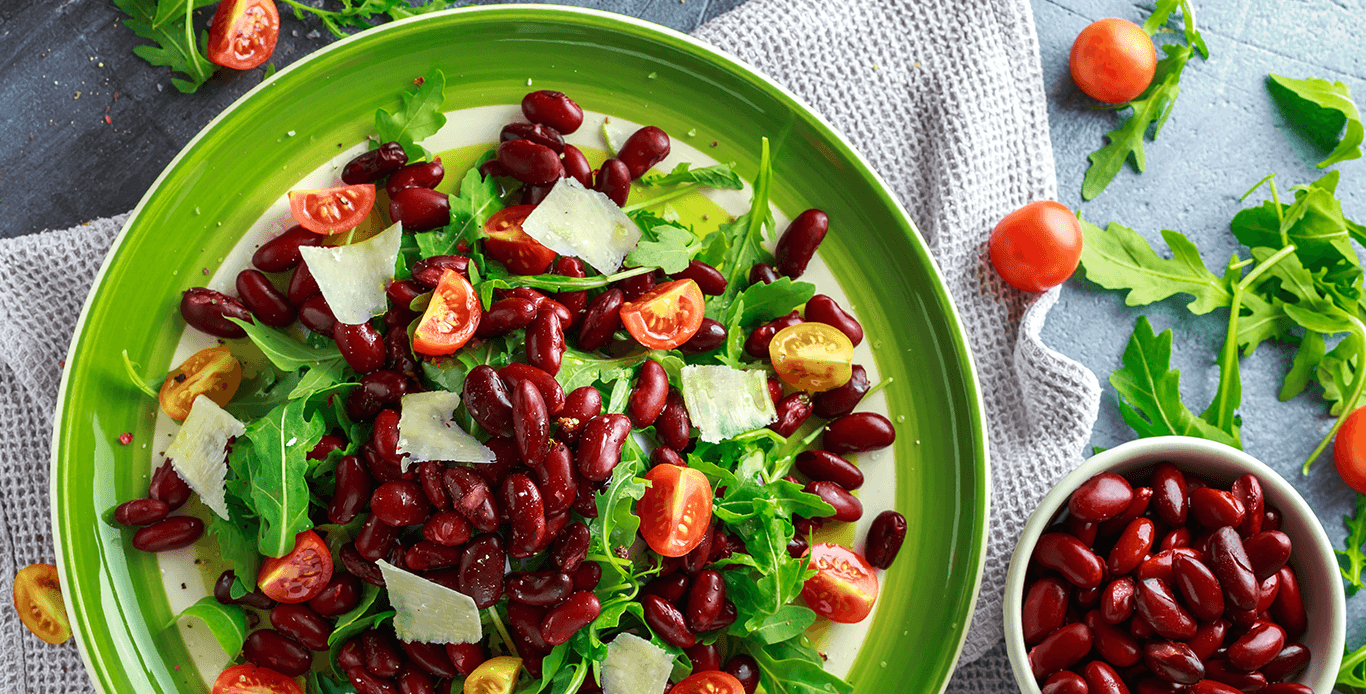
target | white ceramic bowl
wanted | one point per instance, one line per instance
(1312, 557)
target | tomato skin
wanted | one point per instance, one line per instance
(675, 512)
(1113, 60)
(509, 245)
(666, 316)
(254, 679)
(1036, 247)
(39, 602)
(331, 211)
(812, 356)
(1349, 450)
(709, 682)
(211, 371)
(450, 319)
(845, 587)
(244, 33)
(300, 575)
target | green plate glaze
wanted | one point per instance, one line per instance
(227, 176)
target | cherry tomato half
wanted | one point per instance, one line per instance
(300, 575)
(812, 356)
(675, 513)
(666, 316)
(709, 682)
(844, 587)
(244, 33)
(211, 371)
(509, 245)
(1349, 450)
(450, 319)
(332, 210)
(254, 679)
(39, 602)
(1113, 60)
(1037, 246)
(494, 676)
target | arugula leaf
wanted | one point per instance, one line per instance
(579, 368)
(1352, 672)
(150, 385)
(261, 393)
(1149, 392)
(617, 522)
(227, 623)
(321, 684)
(1314, 223)
(789, 622)
(718, 176)
(170, 27)
(286, 353)
(280, 441)
(470, 209)
(793, 675)
(420, 118)
(1119, 258)
(738, 245)
(1353, 560)
(237, 541)
(1307, 359)
(764, 302)
(1335, 373)
(666, 247)
(323, 377)
(1321, 109)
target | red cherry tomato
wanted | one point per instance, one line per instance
(709, 682)
(1037, 246)
(253, 679)
(511, 246)
(844, 587)
(1349, 450)
(666, 316)
(1113, 60)
(300, 575)
(675, 513)
(243, 34)
(332, 210)
(450, 319)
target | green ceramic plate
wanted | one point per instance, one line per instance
(264, 144)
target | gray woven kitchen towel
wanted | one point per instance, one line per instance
(944, 97)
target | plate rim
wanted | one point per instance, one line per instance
(952, 317)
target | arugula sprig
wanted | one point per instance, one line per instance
(420, 117)
(353, 15)
(1322, 109)
(170, 27)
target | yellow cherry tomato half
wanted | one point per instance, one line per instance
(212, 371)
(39, 602)
(812, 356)
(494, 676)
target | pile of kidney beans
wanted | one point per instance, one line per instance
(1178, 586)
(458, 525)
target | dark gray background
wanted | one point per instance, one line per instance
(66, 64)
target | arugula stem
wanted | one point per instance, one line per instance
(1350, 403)
(190, 43)
(560, 283)
(671, 195)
(1349, 663)
(1246, 282)
(1255, 186)
(498, 624)
(606, 139)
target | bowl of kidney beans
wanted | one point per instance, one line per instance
(1174, 564)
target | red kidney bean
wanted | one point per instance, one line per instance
(301, 285)
(576, 166)
(222, 592)
(421, 209)
(465, 656)
(1181, 537)
(385, 436)
(729, 613)
(585, 503)
(506, 315)
(847, 506)
(426, 555)
(414, 680)
(600, 445)
(539, 134)
(316, 315)
(399, 352)
(706, 596)
(400, 503)
(858, 432)
(1271, 520)
(448, 528)
(1060, 651)
(1173, 662)
(645, 148)
(1101, 498)
(1221, 671)
(341, 595)
(522, 500)
(470, 495)
(571, 548)
(541, 589)
(663, 455)
(775, 390)
(263, 299)
(357, 565)
(1110, 643)
(1209, 637)
(1085, 531)
(744, 669)
(762, 273)
(587, 577)
(431, 474)
(486, 398)
(349, 655)
(424, 174)
(1069, 557)
(428, 271)
(667, 621)
(534, 195)
(168, 487)
(530, 423)
(672, 587)
(381, 656)
(1289, 662)
(1262, 642)
(141, 512)
(1117, 600)
(1169, 494)
(1267, 552)
(381, 469)
(708, 279)
(492, 168)
(633, 288)
(823, 309)
(1137, 507)
(361, 346)
(1045, 608)
(576, 612)
(793, 411)
(614, 180)
(375, 538)
(705, 657)
(481, 570)
(711, 335)
(1230, 563)
(1132, 547)
(1248, 490)
(798, 243)
(526, 627)
(674, 427)
(1089, 597)
(1199, 588)
(1160, 565)
(1288, 607)
(366, 683)
(884, 540)
(1287, 688)
(1140, 629)
(840, 401)
(1160, 609)
(529, 162)
(282, 252)
(649, 394)
(172, 533)
(325, 446)
(375, 164)
(551, 392)
(1214, 508)
(1102, 679)
(268, 648)
(553, 109)
(601, 320)
(208, 311)
(402, 293)
(555, 477)
(1065, 682)
(352, 490)
(545, 342)
(301, 624)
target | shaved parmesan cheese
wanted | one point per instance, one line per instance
(573, 220)
(199, 452)
(429, 612)
(725, 402)
(352, 278)
(427, 431)
(635, 666)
